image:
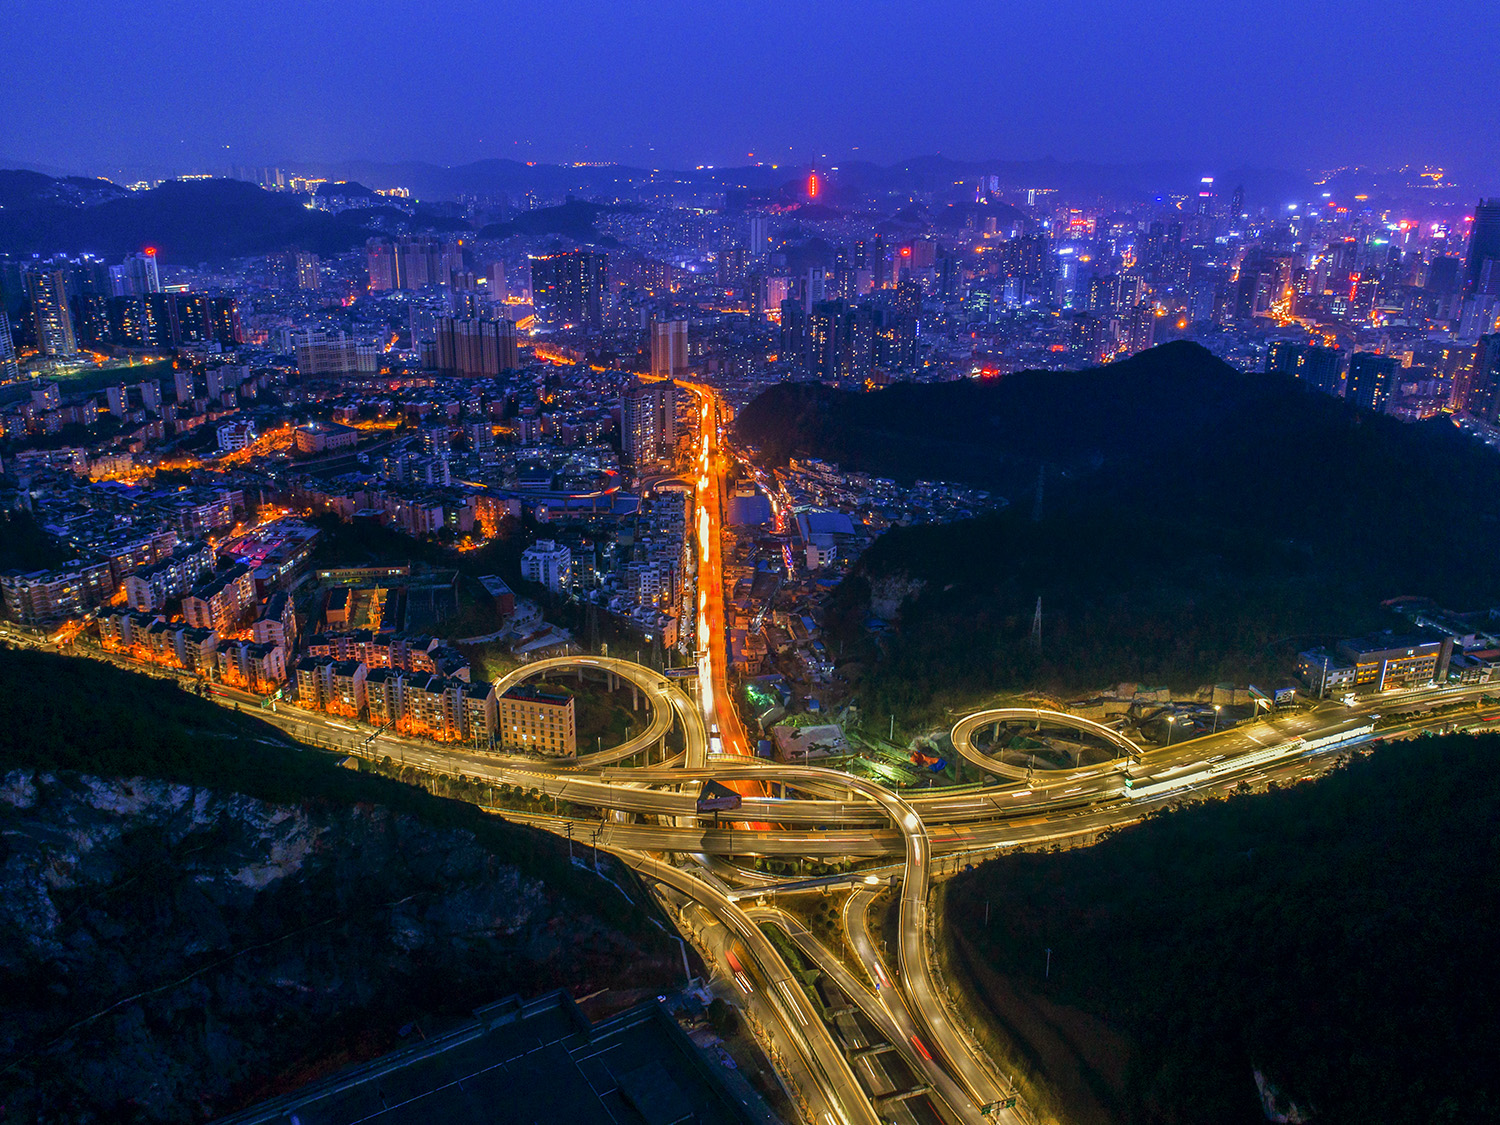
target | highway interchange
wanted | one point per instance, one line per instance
(651, 824)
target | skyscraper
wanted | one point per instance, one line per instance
(669, 345)
(1484, 241)
(49, 308)
(567, 290)
(648, 422)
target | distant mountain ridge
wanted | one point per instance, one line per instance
(184, 220)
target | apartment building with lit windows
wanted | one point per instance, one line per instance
(46, 597)
(223, 602)
(150, 589)
(538, 719)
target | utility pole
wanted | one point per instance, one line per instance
(1036, 626)
(569, 829)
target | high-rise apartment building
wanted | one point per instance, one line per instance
(476, 347)
(380, 257)
(136, 276)
(414, 261)
(495, 285)
(1481, 383)
(567, 290)
(1484, 242)
(321, 353)
(49, 308)
(669, 345)
(309, 272)
(9, 368)
(1318, 368)
(648, 422)
(548, 562)
(1372, 377)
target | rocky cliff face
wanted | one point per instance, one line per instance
(169, 953)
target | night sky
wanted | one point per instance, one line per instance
(93, 85)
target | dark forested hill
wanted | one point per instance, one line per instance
(1197, 525)
(196, 913)
(1338, 936)
(186, 221)
(997, 432)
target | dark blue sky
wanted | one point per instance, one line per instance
(97, 84)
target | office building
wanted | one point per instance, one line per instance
(1484, 242)
(48, 292)
(1383, 661)
(538, 719)
(648, 422)
(669, 345)
(549, 563)
(324, 437)
(567, 290)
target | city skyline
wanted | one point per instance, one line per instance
(676, 86)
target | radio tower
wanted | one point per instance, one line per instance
(1036, 625)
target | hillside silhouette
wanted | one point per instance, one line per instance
(1198, 525)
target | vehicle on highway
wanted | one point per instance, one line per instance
(738, 972)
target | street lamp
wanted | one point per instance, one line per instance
(1171, 722)
(1217, 708)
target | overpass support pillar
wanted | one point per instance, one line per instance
(635, 698)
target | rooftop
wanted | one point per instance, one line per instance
(529, 693)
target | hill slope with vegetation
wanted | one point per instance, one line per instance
(1337, 936)
(196, 914)
(1197, 525)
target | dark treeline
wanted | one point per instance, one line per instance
(1339, 936)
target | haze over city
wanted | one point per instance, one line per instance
(675, 83)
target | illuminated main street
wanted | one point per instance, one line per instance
(651, 823)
